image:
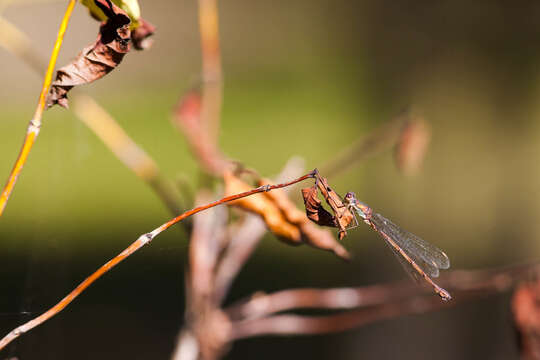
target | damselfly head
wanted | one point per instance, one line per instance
(350, 198)
(362, 209)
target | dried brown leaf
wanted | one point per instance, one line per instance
(263, 206)
(282, 201)
(282, 217)
(311, 234)
(412, 145)
(322, 239)
(141, 35)
(314, 209)
(96, 60)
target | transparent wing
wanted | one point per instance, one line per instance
(427, 256)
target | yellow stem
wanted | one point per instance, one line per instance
(35, 124)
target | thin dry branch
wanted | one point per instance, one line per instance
(373, 303)
(285, 325)
(187, 116)
(204, 320)
(198, 113)
(34, 125)
(245, 238)
(19, 44)
(479, 281)
(207, 329)
(139, 243)
(207, 239)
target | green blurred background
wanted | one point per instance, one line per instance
(301, 78)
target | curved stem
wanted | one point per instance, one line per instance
(136, 245)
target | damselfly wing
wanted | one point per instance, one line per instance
(419, 258)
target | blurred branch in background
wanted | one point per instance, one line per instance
(204, 320)
(198, 113)
(261, 314)
(6, 3)
(100, 122)
(408, 132)
(245, 236)
(15, 41)
(34, 125)
(187, 118)
(212, 77)
(212, 272)
(255, 316)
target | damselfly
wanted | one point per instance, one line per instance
(419, 258)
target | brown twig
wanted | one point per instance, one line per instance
(206, 244)
(480, 281)
(308, 325)
(207, 330)
(35, 124)
(198, 114)
(139, 243)
(204, 320)
(188, 118)
(255, 316)
(245, 238)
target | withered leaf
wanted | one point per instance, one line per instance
(314, 209)
(141, 30)
(311, 234)
(282, 217)
(141, 35)
(412, 145)
(322, 239)
(282, 201)
(96, 60)
(264, 207)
